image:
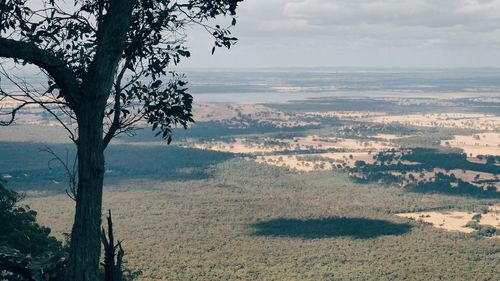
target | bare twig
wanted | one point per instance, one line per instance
(29, 94)
(71, 170)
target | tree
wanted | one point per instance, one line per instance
(105, 62)
(19, 229)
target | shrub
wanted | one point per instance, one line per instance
(19, 229)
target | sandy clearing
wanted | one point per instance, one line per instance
(317, 142)
(451, 221)
(239, 145)
(313, 142)
(390, 137)
(294, 162)
(352, 151)
(456, 221)
(236, 113)
(344, 114)
(317, 161)
(478, 144)
(465, 175)
(213, 112)
(443, 120)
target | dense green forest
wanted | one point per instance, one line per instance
(390, 169)
(235, 225)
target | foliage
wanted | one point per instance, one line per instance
(19, 227)
(434, 158)
(71, 45)
(445, 184)
(426, 159)
(15, 266)
(483, 230)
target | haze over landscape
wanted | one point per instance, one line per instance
(336, 140)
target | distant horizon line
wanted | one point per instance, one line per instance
(339, 67)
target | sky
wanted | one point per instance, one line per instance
(357, 33)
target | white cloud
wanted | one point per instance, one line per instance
(363, 32)
(429, 13)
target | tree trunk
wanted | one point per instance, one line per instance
(85, 246)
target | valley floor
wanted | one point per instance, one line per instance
(307, 190)
(281, 225)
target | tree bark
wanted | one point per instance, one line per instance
(85, 246)
(96, 86)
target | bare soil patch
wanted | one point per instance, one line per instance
(456, 221)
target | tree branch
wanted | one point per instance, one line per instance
(115, 125)
(57, 69)
(13, 114)
(27, 95)
(111, 37)
(71, 171)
